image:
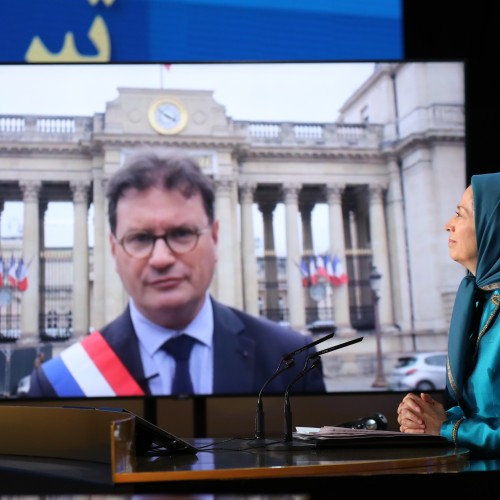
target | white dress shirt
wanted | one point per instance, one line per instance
(159, 367)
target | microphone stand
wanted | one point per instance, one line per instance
(288, 412)
(259, 414)
(288, 443)
(286, 362)
(312, 361)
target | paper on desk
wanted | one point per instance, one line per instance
(330, 431)
(307, 430)
(345, 435)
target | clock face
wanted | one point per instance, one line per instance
(167, 116)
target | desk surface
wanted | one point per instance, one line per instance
(230, 471)
(250, 459)
(69, 451)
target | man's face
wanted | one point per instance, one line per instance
(462, 242)
(168, 288)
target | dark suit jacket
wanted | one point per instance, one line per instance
(247, 351)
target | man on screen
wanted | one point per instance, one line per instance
(163, 237)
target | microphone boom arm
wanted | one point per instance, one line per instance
(334, 348)
(288, 361)
(312, 361)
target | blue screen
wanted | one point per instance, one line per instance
(200, 31)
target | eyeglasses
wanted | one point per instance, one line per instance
(180, 240)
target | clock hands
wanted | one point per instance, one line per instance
(172, 118)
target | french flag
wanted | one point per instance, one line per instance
(304, 271)
(321, 268)
(22, 276)
(328, 267)
(12, 272)
(313, 272)
(338, 275)
(90, 368)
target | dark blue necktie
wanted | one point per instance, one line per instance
(180, 349)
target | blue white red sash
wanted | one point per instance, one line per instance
(90, 368)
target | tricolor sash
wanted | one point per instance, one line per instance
(90, 368)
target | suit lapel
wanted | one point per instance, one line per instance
(234, 354)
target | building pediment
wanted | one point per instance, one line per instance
(166, 112)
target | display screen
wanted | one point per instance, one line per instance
(349, 164)
(200, 31)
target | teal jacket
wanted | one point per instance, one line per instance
(475, 422)
(473, 371)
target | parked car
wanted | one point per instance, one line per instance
(321, 326)
(23, 386)
(421, 371)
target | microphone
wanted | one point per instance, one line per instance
(308, 346)
(286, 362)
(312, 361)
(376, 421)
(334, 348)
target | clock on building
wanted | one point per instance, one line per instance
(167, 116)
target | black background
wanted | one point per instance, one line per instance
(470, 32)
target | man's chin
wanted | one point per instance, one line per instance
(171, 314)
(169, 301)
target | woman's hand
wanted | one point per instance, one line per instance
(420, 414)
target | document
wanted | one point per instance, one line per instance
(331, 436)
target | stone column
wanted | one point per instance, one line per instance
(308, 251)
(378, 231)
(429, 192)
(236, 247)
(249, 260)
(115, 294)
(356, 268)
(98, 315)
(296, 303)
(42, 210)
(340, 293)
(30, 327)
(270, 261)
(398, 250)
(226, 288)
(80, 260)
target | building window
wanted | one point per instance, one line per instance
(365, 117)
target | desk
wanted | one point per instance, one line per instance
(75, 451)
(248, 459)
(232, 472)
(258, 472)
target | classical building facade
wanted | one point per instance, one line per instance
(389, 171)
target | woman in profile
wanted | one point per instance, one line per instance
(473, 371)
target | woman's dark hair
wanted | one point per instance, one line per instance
(165, 168)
